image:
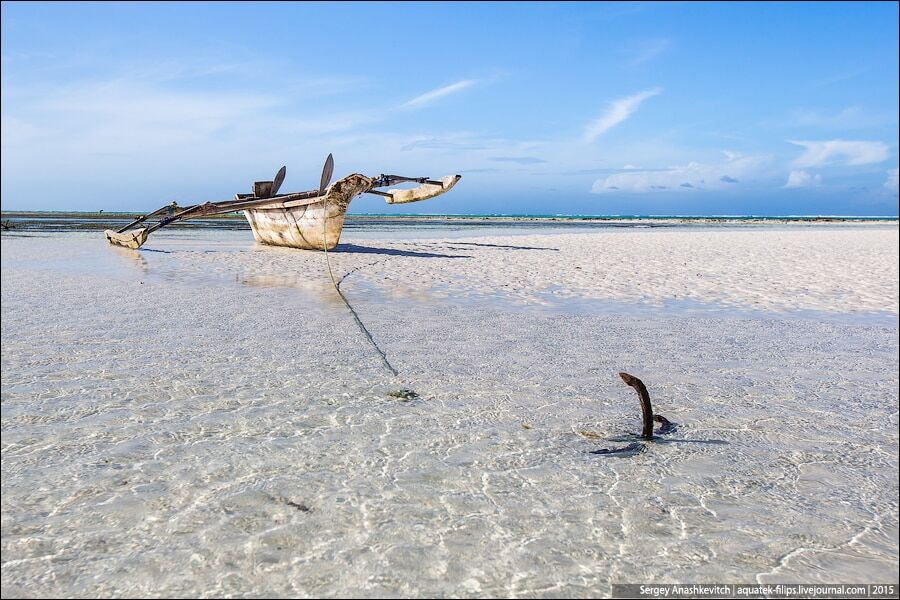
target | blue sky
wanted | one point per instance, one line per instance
(580, 108)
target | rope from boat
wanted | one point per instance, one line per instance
(337, 288)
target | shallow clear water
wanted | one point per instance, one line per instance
(186, 421)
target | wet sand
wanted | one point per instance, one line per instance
(203, 417)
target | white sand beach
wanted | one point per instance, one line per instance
(203, 417)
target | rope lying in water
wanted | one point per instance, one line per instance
(337, 288)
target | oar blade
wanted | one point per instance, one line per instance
(279, 179)
(327, 172)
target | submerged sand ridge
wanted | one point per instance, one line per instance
(205, 418)
(827, 270)
(840, 269)
(836, 269)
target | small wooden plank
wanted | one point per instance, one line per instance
(262, 189)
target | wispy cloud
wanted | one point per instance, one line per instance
(693, 176)
(840, 152)
(893, 181)
(647, 50)
(815, 117)
(436, 94)
(137, 101)
(850, 117)
(168, 138)
(837, 78)
(519, 160)
(454, 142)
(616, 112)
(802, 179)
(125, 116)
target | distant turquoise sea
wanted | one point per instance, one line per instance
(75, 221)
(630, 217)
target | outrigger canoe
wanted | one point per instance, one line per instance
(311, 220)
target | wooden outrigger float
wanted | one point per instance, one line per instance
(312, 220)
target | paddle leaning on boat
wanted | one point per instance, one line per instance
(311, 220)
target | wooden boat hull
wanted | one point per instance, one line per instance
(300, 227)
(310, 224)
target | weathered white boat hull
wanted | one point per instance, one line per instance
(299, 227)
(311, 224)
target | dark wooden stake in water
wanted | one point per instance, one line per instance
(646, 408)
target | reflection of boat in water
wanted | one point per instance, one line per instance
(134, 260)
(312, 220)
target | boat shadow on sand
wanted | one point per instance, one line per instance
(505, 247)
(344, 249)
(355, 249)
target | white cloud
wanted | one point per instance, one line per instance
(693, 176)
(161, 140)
(649, 49)
(892, 181)
(16, 131)
(848, 118)
(135, 102)
(69, 126)
(815, 117)
(618, 111)
(840, 152)
(800, 179)
(429, 97)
